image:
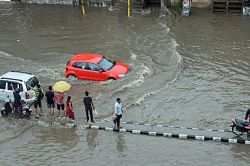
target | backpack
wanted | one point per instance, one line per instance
(41, 94)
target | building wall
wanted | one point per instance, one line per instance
(201, 3)
(66, 2)
(197, 3)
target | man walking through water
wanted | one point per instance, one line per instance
(118, 113)
(89, 106)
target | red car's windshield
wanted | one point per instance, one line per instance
(106, 64)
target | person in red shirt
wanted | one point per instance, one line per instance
(69, 109)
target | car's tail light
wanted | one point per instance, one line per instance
(27, 95)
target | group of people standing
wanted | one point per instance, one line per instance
(56, 99)
(52, 99)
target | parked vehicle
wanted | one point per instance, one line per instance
(240, 126)
(94, 67)
(22, 80)
(26, 110)
(7, 109)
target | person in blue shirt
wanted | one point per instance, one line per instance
(118, 113)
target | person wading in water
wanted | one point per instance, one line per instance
(38, 100)
(89, 106)
(59, 96)
(118, 113)
(50, 99)
(69, 109)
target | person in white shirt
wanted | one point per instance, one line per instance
(118, 113)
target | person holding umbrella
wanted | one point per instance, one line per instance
(59, 97)
(60, 87)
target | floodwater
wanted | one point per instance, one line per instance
(185, 71)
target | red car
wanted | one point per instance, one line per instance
(94, 67)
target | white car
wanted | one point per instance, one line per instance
(22, 80)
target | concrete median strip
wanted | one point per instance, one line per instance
(198, 137)
(172, 135)
(151, 132)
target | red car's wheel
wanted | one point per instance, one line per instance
(72, 77)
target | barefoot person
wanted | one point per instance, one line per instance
(118, 113)
(69, 109)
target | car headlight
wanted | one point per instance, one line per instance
(121, 75)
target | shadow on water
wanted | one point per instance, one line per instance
(92, 139)
(67, 138)
(120, 143)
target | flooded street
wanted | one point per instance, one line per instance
(184, 71)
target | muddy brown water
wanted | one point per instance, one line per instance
(185, 71)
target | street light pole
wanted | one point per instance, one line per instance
(128, 8)
(83, 10)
